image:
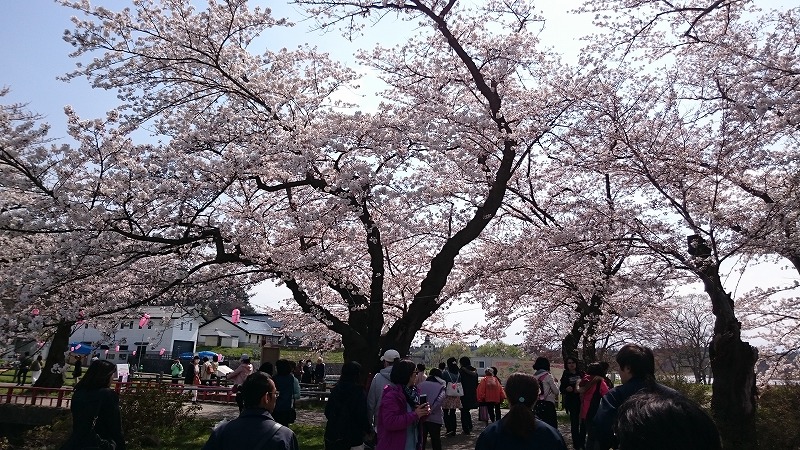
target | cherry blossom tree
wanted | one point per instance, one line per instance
(261, 173)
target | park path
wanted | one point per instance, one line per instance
(315, 416)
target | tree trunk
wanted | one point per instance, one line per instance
(733, 402)
(55, 356)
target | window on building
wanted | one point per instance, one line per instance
(181, 325)
(481, 364)
(130, 324)
(86, 325)
(190, 326)
(150, 325)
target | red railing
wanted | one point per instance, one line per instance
(62, 397)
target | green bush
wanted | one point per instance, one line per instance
(146, 407)
(777, 421)
(700, 393)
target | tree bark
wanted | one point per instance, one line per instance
(733, 402)
(55, 356)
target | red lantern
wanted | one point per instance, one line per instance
(143, 321)
(235, 316)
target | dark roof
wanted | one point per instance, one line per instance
(259, 324)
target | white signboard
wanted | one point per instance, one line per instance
(123, 372)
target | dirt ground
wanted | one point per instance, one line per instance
(315, 416)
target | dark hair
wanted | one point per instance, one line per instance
(267, 368)
(245, 360)
(205, 359)
(542, 363)
(599, 369)
(452, 366)
(421, 367)
(435, 372)
(283, 367)
(494, 370)
(464, 361)
(522, 389)
(351, 372)
(442, 366)
(215, 358)
(98, 375)
(664, 420)
(402, 371)
(254, 387)
(638, 359)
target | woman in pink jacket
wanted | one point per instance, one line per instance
(491, 394)
(400, 412)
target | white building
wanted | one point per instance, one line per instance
(116, 338)
(251, 331)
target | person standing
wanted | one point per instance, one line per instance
(593, 386)
(319, 371)
(24, 364)
(548, 392)
(421, 377)
(400, 413)
(95, 409)
(308, 373)
(205, 372)
(519, 429)
(36, 369)
(491, 394)
(192, 377)
(571, 399)
(297, 371)
(289, 388)
(176, 370)
(215, 368)
(469, 378)
(637, 368)
(451, 402)
(379, 381)
(238, 376)
(78, 369)
(433, 389)
(255, 428)
(346, 411)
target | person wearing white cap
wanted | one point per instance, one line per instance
(379, 381)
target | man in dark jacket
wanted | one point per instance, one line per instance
(469, 381)
(254, 428)
(637, 370)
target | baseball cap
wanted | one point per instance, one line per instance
(390, 355)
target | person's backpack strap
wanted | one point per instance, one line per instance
(270, 434)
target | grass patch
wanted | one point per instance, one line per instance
(290, 354)
(309, 437)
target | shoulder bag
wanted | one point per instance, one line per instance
(454, 388)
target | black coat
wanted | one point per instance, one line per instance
(246, 431)
(469, 380)
(572, 400)
(90, 403)
(346, 412)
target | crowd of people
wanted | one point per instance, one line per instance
(404, 408)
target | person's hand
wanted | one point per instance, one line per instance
(423, 410)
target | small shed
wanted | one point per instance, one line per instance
(219, 338)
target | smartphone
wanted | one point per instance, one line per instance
(423, 399)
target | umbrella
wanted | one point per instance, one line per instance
(205, 353)
(79, 348)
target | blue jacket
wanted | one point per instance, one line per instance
(245, 431)
(601, 429)
(543, 437)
